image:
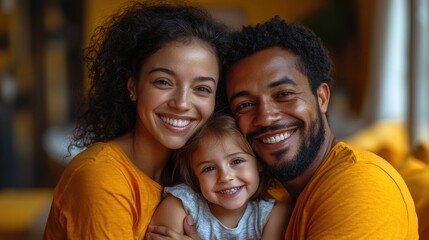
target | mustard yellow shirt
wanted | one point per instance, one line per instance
(390, 140)
(354, 195)
(102, 195)
(416, 175)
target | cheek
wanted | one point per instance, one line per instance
(243, 124)
(150, 99)
(206, 184)
(306, 108)
(205, 108)
(251, 174)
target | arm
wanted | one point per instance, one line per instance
(162, 232)
(276, 225)
(170, 213)
(94, 201)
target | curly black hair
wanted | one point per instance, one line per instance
(120, 47)
(315, 62)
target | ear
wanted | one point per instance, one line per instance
(132, 88)
(323, 95)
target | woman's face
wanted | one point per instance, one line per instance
(175, 92)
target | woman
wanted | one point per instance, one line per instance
(155, 71)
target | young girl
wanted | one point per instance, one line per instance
(155, 72)
(223, 189)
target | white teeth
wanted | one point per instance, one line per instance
(230, 191)
(276, 138)
(175, 122)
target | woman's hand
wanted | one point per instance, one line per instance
(157, 232)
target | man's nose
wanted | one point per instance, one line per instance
(267, 113)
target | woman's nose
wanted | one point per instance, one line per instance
(181, 100)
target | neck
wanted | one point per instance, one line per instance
(296, 186)
(228, 217)
(147, 155)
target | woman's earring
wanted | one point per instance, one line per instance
(131, 96)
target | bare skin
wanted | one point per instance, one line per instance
(278, 94)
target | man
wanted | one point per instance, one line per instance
(278, 90)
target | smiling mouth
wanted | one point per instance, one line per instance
(231, 190)
(276, 138)
(175, 122)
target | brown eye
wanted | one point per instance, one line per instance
(284, 94)
(237, 161)
(208, 169)
(242, 107)
(162, 83)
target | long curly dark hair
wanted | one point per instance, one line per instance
(120, 47)
(315, 62)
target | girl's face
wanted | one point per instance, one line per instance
(175, 92)
(228, 176)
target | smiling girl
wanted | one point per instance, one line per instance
(224, 188)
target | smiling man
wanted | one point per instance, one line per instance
(278, 86)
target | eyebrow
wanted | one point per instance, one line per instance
(285, 81)
(228, 156)
(168, 71)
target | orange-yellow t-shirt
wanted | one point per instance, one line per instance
(354, 195)
(102, 195)
(416, 175)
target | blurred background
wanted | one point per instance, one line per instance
(379, 49)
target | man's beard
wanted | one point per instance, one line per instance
(287, 170)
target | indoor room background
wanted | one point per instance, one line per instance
(379, 50)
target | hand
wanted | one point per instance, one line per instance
(156, 232)
(189, 227)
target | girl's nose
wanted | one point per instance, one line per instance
(225, 175)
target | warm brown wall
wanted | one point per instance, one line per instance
(254, 10)
(351, 61)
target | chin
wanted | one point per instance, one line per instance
(174, 146)
(173, 143)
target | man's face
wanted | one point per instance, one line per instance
(276, 110)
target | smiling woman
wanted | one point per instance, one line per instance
(172, 99)
(155, 76)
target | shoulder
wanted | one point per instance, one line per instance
(263, 204)
(349, 172)
(357, 179)
(163, 214)
(102, 168)
(345, 161)
(183, 192)
(357, 191)
(345, 153)
(277, 221)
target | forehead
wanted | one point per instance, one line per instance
(218, 145)
(262, 68)
(182, 54)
